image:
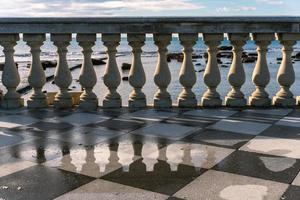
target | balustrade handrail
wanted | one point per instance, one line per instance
(278, 24)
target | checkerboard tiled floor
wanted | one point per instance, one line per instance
(147, 154)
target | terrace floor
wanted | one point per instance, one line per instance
(147, 154)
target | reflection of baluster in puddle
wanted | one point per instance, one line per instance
(66, 160)
(186, 167)
(137, 167)
(40, 151)
(90, 167)
(210, 158)
(162, 167)
(113, 158)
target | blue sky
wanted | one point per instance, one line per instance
(93, 8)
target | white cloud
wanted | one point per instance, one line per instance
(271, 2)
(79, 8)
(235, 9)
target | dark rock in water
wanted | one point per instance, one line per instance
(224, 55)
(98, 61)
(219, 61)
(297, 55)
(224, 66)
(168, 59)
(125, 78)
(201, 70)
(279, 62)
(244, 54)
(126, 66)
(53, 82)
(2, 66)
(174, 56)
(69, 89)
(225, 48)
(48, 64)
(194, 60)
(77, 81)
(297, 60)
(73, 86)
(180, 59)
(205, 55)
(278, 59)
(198, 64)
(196, 56)
(252, 54)
(249, 60)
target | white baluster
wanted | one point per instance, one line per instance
(137, 77)
(211, 76)
(162, 75)
(112, 77)
(36, 76)
(261, 74)
(187, 75)
(10, 75)
(62, 76)
(286, 75)
(87, 78)
(236, 76)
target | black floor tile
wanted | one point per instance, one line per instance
(161, 179)
(220, 138)
(282, 132)
(126, 125)
(51, 126)
(292, 193)
(267, 167)
(40, 182)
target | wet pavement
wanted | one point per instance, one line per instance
(148, 154)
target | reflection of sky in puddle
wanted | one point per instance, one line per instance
(277, 164)
(250, 192)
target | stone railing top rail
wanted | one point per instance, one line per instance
(152, 25)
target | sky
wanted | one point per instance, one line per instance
(111, 8)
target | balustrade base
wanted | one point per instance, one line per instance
(282, 102)
(12, 103)
(205, 102)
(137, 103)
(91, 104)
(37, 103)
(232, 102)
(298, 100)
(265, 102)
(162, 103)
(112, 103)
(187, 103)
(63, 103)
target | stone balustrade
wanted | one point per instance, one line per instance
(238, 29)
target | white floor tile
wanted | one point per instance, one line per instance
(243, 127)
(13, 121)
(274, 146)
(215, 185)
(289, 121)
(151, 115)
(164, 130)
(105, 190)
(213, 113)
